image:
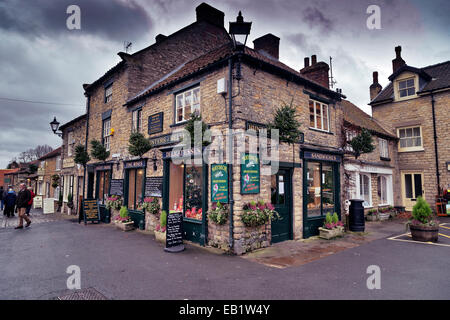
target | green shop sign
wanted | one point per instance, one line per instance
(249, 173)
(219, 183)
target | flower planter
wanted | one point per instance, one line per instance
(424, 233)
(160, 236)
(125, 226)
(331, 233)
(384, 216)
(372, 217)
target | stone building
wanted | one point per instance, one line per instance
(372, 177)
(50, 166)
(415, 106)
(72, 174)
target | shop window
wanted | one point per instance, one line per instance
(106, 133)
(186, 103)
(410, 139)
(135, 187)
(278, 195)
(58, 163)
(364, 189)
(382, 190)
(186, 190)
(103, 178)
(318, 115)
(320, 189)
(70, 143)
(137, 120)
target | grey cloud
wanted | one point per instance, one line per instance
(114, 19)
(316, 19)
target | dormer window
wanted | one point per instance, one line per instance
(406, 88)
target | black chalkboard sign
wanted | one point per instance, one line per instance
(153, 186)
(174, 231)
(91, 210)
(116, 187)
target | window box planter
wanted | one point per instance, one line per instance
(384, 215)
(331, 233)
(372, 217)
(125, 226)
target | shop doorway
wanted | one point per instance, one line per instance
(412, 188)
(320, 194)
(281, 197)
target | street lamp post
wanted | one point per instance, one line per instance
(55, 125)
(239, 32)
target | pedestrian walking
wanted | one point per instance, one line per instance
(10, 203)
(23, 197)
(30, 203)
(2, 201)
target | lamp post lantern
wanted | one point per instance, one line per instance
(55, 125)
(239, 32)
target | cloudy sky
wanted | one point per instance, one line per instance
(43, 64)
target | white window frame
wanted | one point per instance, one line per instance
(108, 93)
(194, 107)
(106, 127)
(406, 88)
(383, 145)
(136, 117)
(58, 163)
(413, 148)
(349, 136)
(70, 143)
(366, 204)
(323, 107)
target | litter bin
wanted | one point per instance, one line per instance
(356, 215)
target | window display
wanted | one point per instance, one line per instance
(193, 192)
(320, 189)
(135, 187)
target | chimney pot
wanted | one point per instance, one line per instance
(398, 51)
(313, 59)
(306, 62)
(398, 62)
(160, 37)
(375, 77)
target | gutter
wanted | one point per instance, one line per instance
(436, 156)
(230, 151)
(88, 107)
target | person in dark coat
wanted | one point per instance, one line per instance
(23, 197)
(10, 203)
(2, 201)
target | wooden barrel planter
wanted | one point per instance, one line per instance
(424, 234)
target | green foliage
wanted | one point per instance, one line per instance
(55, 181)
(32, 168)
(362, 143)
(218, 213)
(98, 151)
(123, 213)
(335, 218)
(258, 213)
(138, 144)
(328, 218)
(285, 120)
(81, 155)
(163, 219)
(422, 211)
(60, 200)
(190, 125)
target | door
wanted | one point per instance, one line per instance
(320, 194)
(412, 188)
(282, 198)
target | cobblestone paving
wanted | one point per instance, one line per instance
(36, 217)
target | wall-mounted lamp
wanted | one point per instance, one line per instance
(239, 32)
(55, 125)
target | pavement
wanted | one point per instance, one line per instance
(132, 265)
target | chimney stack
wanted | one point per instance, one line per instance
(375, 87)
(306, 62)
(160, 37)
(268, 44)
(317, 71)
(210, 14)
(398, 62)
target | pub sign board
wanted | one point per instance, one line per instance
(219, 183)
(155, 123)
(250, 175)
(91, 210)
(116, 187)
(174, 232)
